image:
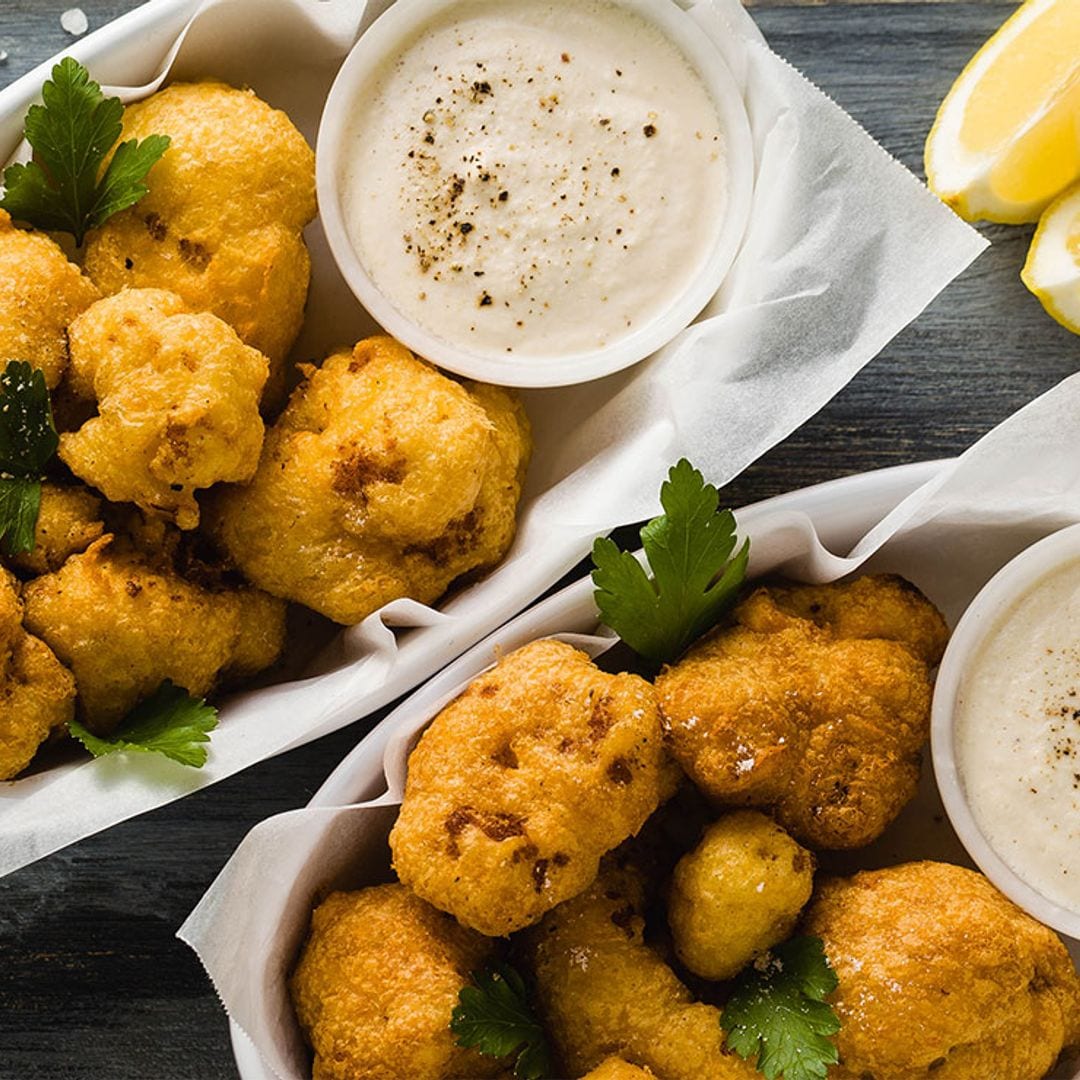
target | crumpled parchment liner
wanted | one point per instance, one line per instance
(843, 249)
(1019, 483)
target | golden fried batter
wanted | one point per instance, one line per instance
(37, 693)
(615, 1068)
(777, 710)
(603, 991)
(124, 622)
(177, 403)
(376, 985)
(221, 225)
(738, 893)
(40, 293)
(69, 522)
(381, 479)
(942, 978)
(519, 786)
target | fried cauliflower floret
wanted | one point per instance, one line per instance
(124, 622)
(222, 222)
(615, 1068)
(376, 984)
(381, 479)
(37, 693)
(69, 521)
(774, 709)
(941, 977)
(738, 893)
(520, 785)
(177, 399)
(40, 293)
(603, 991)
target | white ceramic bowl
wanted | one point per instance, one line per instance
(392, 31)
(980, 619)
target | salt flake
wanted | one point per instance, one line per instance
(74, 21)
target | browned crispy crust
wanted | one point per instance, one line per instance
(814, 700)
(522, 784)
(942, 978)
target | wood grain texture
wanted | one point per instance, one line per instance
(92, 982)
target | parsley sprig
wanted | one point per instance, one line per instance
(494, 1017)
(64, 188)
(169, 722)
(778, 1011)
(688, 549)
(28, 440)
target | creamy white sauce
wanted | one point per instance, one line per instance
(538, 178)
(1018, 736)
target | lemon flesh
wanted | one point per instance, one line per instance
(1052, 270)
(1007, 137)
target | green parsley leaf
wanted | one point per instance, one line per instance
(688, 549)
(28, 440)
(494, 1017)
(71, 134)
(778, 1011)
(170, 722)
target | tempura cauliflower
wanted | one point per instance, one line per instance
(814, 700)
(40, 293)
(381, 479)
(69, 521)
(737, 894)
(222, 223)
(124, 622)
(376, 984)
(615, 1068)
(37, 693)
(942, 978)
(603, 991)
(519, 787)
(177, 399)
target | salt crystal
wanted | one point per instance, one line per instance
(74, 21)
(3, 56)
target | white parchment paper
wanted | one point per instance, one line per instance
(844, 248)
(1019, 483)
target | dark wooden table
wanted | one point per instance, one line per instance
(93, 983)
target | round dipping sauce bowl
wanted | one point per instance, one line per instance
(536, 192)
(1005, 730)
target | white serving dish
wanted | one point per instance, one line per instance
(396, 28)
(980, 619)
(840, 513)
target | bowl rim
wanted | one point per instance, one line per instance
(982, 618)
(394, 28)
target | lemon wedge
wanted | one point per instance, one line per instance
(1007, 137)
(1052, 270)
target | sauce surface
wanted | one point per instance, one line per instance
(1018, 736)
(536, 178)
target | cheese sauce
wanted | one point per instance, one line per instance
(534, 178)
(1018, 737)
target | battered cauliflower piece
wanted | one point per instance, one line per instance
(69, 521)
(221, 224)
(37, 693)
(941, 977)
(522, 783)
(776, 709)
(177, 403)
(615, 1068)
(381, 479)
(376, 984)
(124, 622)
(40, 293)
(737, 894)
(603, 991)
